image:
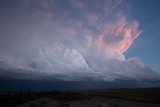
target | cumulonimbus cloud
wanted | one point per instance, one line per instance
(78, 42)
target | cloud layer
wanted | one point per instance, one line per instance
(70, 40)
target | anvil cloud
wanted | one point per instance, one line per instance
(70, 40)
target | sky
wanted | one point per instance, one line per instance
(80, 40)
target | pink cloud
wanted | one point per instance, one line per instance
(117, 36)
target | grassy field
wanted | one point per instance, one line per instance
(151, 95)
(148, 95)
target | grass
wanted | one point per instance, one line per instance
(149, 95)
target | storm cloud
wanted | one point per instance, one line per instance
(69, 40)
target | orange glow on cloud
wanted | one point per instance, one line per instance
(130, 33)
(120, 35)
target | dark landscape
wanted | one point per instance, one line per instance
(142, 97)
